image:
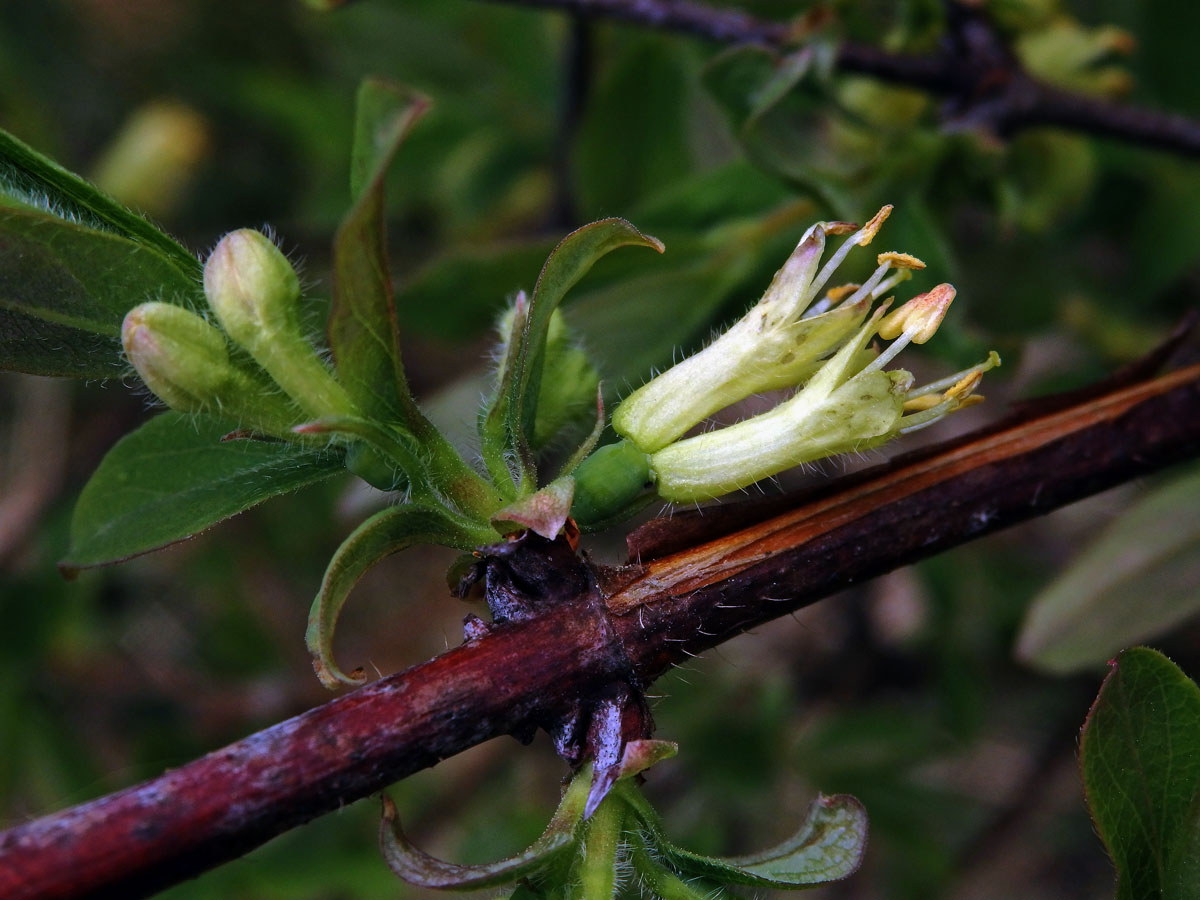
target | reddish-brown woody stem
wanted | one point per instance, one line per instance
(136, 841)
(983, 82)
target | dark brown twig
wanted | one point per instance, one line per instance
(982, 82)
(648, 616)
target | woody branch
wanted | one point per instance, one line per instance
(974, 71)
(646, 616)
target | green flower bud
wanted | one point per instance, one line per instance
(255, 294)
(185, 361)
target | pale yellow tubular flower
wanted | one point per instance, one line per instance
(775, 345)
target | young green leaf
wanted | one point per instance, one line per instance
(37, 181)
(1135, 582)
(362, 323)
(419, 868)
(507, 424)
(1140, 756)
(174, 477)
(385, 533)
(64, 289)
(827, 847)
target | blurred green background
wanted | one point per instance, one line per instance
(1071, 255)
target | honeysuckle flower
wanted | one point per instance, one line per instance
(778, 344)
(847, 401)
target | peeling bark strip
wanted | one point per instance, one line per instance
(136, 841)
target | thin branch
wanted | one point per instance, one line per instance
(637, 622)
(981, 79)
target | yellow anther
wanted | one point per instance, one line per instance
(872, 228)
(922, 403)
(898, 260)
(920, 317)
(837, 294)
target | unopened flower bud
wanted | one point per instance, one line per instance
(185, 361)
(255, 293)
(251, 287)
(182, 358)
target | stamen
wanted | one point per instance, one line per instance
(860, 238)
(941, 384)
(888, 283)
(920, 316)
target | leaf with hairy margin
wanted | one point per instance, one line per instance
(829, 846)
(388, 531)
(507, 423)
(174, 477)
(1140, 758)
(35, 181)
(419, 868)
(65, 288)
(362, 321)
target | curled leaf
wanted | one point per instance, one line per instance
(385, 533)
(506, 428)
(419, 868)
(829, 846)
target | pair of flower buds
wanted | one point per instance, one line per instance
(254, 293)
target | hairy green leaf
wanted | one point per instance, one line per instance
(362, 322)
(417, 867)
(37, 181)
(385, 533)
(174, 477)
(1140, 756)
(1136, 581)
(827, 847)
(65, 288)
